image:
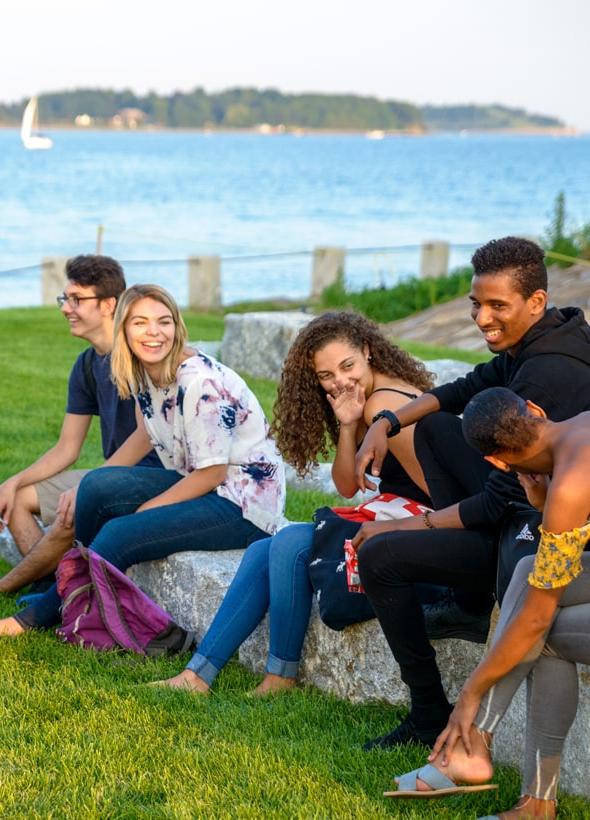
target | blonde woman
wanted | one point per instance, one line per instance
(223, 486)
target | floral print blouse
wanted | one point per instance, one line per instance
(559, 557)
(210, 416)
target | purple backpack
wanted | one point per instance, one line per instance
(103, 609)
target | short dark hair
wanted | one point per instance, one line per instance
(497, 420)
(524, 259)
(103, 273)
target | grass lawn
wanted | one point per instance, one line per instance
(82, 736)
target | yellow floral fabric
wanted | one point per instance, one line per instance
(558, 560)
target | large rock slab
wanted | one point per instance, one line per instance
(257, 343)
(447, 370)
(355, 664)
(8, 549)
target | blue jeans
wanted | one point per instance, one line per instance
(273, 576)
(106, 522)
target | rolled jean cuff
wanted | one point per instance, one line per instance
(285, 669)
(203, 667)
(22, 622)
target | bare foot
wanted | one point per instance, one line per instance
(530, 807)
(186, 680)
(462, 768)
(10, 628)
(272, 684)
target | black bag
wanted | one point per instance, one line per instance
(327, 571)
(519, 536)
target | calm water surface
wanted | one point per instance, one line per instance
(168, 195)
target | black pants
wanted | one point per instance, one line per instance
(392, 563)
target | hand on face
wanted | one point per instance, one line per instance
(348, 404)
(535, 487)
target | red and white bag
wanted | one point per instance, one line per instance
(382, 507)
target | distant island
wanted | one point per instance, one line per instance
(248, 108)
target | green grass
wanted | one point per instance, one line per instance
(428, 352)
(81, 736)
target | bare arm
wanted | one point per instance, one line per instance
(58, 458)
(374, 446)
(348, 409)
(193, 485)
(133, 449)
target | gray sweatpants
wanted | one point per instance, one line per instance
(551, 676)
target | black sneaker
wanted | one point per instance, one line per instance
(446, 619)
(405, 732)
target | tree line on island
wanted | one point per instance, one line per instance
(249, 107)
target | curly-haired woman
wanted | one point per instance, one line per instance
(327, 395)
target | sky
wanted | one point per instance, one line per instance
(532, 54)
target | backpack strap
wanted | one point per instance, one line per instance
(87, 361)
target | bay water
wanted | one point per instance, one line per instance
(164, 195)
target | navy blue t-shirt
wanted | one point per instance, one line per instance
(117, 416)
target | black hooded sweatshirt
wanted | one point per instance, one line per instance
(551, 367)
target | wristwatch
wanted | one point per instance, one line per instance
(392, 419)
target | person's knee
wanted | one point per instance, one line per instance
(372, 556)
(98, 485)
(26, 500)
(110, 542)
(291, 542)
(435, 425)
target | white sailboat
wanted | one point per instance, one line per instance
(29, 130)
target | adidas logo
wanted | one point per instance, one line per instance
(525, 534)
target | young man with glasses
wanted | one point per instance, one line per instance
(46, 489)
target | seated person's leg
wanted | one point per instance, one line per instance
(209, 522)
(453, 470)
(390, 565)
(111, 492)
(243, 607)
(290, 604)
(24, 527)
(49, 546)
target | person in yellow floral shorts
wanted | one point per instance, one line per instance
(544, 626)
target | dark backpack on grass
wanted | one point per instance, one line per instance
(103, 609)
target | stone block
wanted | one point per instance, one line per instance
(8, 549)
(434, 259)
(356, 664)
(328, 267)
(53, 278)
(447, 370)
(204, 282)
(257, 343)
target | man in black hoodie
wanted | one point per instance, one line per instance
(543, 356)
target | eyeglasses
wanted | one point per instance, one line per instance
(73, 300)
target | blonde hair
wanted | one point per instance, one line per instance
(127, 371)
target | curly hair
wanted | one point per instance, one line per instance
(523, 258)
(497, 421)
(304, 423)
